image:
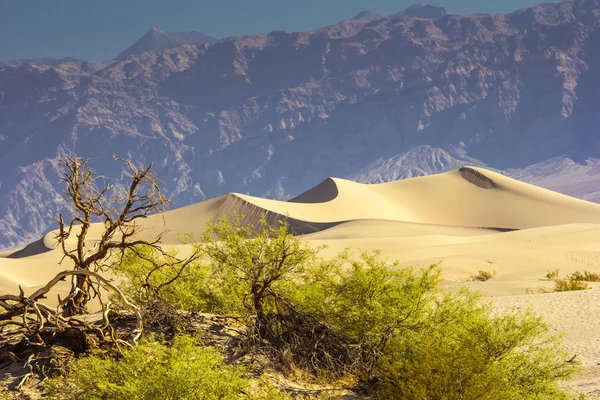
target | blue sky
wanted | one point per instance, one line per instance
(97, 30)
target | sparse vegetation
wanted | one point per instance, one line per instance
(482, 276)
(361, 317)
(569, 284)
(585, 276)
(486, 275)
(184, 369)
(552, 274)
(575, 281)
(462, 352)
(364, 315)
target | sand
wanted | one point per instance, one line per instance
(467, 220)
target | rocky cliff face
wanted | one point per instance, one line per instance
(373, 98)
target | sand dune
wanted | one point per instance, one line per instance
(422, 219)
(453, 199)
(468, 198)
(469, 220)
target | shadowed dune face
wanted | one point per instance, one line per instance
(322, 193)
(32, 249)
(477, 178)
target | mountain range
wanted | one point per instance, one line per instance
(370, 99)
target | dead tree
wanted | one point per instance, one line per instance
(118, 213)
(104, 226)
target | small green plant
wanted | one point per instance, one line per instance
(155, 370)
(484, 275)
(570, 284)
(552, 274)
(585, 276)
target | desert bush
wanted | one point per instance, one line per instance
(574, 281)
(190, 288)
(250, 262)
(367, 296)
(570, 284)
(552, 274)
(155, 370)
(360, 301)
(585, 276)
(461, 351)
(485, 275)
(423, 343)
(366, 315)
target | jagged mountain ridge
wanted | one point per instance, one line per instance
(157, 40)
(372, 98)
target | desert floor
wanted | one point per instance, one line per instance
(468, 220)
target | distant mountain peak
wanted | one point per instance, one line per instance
(366, 15)
(156, 40)
(425, 11)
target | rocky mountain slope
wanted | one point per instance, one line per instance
(373, 98)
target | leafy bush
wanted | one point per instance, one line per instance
(569, 284)
(462, 352)
(366, 297)
(552, 274)
(154, 370)
(585, 276)
(485, 275)
(574, 281)
(424, 343)
(192, 289)
(360, 303)
(250, 262)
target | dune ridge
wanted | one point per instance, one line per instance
(469, 198)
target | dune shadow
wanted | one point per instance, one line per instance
(31, 249)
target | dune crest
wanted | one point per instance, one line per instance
(469, 197)
(454, 199)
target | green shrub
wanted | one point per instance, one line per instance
(192, 290)
(462, 352)
(366, 297)
(585, 276)
(552, 274)
(569, 284)
(485, 275)
(369, 316)
(250, 262)
(154, 370)
(425, 343)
